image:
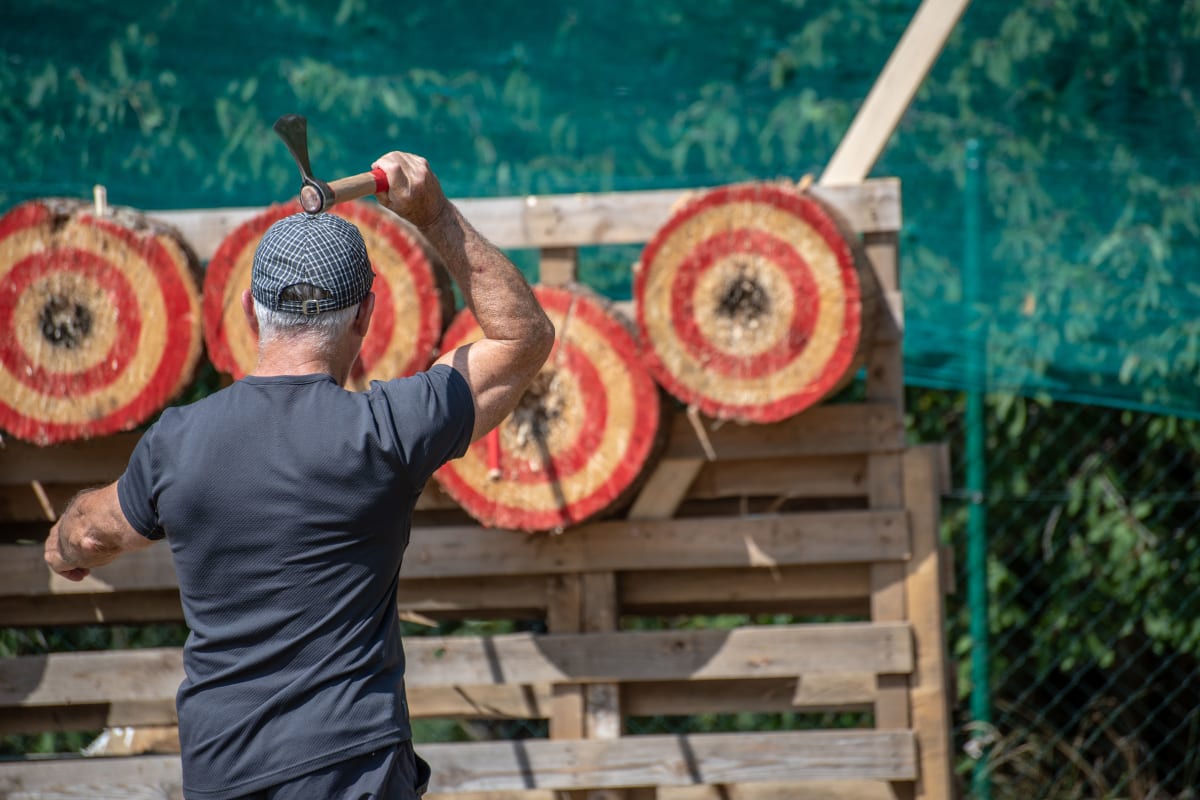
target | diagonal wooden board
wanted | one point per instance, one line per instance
(893, 91)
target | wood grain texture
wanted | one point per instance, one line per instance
(573, 220)
(691, 760)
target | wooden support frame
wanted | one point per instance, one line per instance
(845, 523)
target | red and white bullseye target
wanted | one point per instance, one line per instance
(412, 296)
(750, 302)
(99, 320)
(581, 438)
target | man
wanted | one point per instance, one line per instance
(287, 502)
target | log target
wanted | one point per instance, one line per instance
(751, 302)
(581, 439)
(99, 320)
(412, 296)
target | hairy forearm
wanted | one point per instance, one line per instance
(492, 286)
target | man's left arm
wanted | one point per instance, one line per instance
(92, 532)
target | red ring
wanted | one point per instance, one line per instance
(811, 213)
(420, 271)
(804, 314)
(178, 342)
(114, 283)
(645, 398)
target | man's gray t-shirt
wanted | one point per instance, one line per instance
(287, 503)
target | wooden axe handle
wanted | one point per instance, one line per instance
(315, 200)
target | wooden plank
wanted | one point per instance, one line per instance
(568, 220)
(503, 596)
(815, 692)
(931, 719)
(565, 615)
(807, 790)
(666, 488)
(851, 428)
(558, 266)
(620, 545)
(673, 760)
(465, 551)
(87, 463)
(481, 702)
(893, 91)
(650, 592)
(885, 486)
(792, 790)
(603, 701)
(20, 503)
(513, 596)
(87, 717)
(543, 764)
(109, 608)
(888, 605)
(753, 651)
(812, 693)
(820, 431)
(149, 675)
(839, 476)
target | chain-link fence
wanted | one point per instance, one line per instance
(1093, 576)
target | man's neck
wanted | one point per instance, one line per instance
(285, 358)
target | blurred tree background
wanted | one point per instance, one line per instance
(1086, 113)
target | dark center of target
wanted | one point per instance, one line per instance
(743, 300)
(64, 322)
(539, 411)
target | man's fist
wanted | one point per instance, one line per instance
(56, 562)
(413, 190)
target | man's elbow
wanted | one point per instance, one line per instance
(541, 339)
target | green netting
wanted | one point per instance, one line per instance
(1085, 110)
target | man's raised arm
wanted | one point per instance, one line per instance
(517, 334)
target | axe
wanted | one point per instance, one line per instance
(317, 195)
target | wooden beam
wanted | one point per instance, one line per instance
(150, 675)
(690, 760)
(813, 693)
(837, 476)
(620, 545)
(558, 266)
(646, 592)
(791, 790)
(893, 91)
(840, 429)
(672, 760)
(667, 486)
(843, 429)
(106, 608)
(567, 220)
(930, 695)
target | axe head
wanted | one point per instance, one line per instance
(315, 195)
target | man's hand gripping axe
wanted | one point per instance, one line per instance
(317, 195)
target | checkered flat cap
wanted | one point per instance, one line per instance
(323, 250)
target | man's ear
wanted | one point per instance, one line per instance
(248, 310)
(362, 320)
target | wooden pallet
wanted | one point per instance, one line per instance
(829, 513)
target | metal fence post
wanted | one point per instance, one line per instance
(976, 436)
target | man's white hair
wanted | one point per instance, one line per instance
(323, 330)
